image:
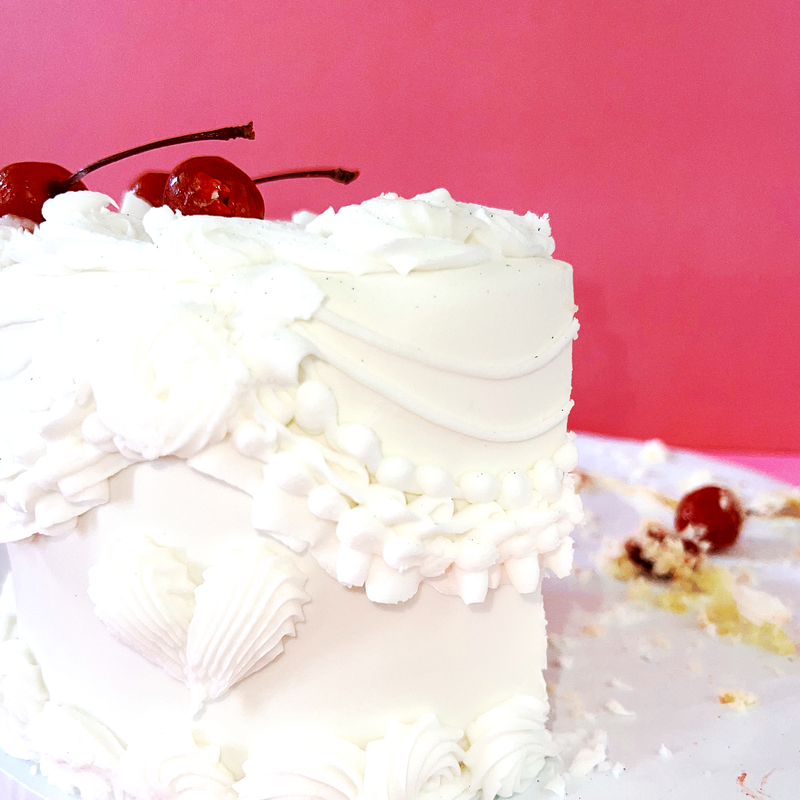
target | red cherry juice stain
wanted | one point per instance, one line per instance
(755, 794)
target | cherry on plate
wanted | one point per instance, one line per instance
(714, 513)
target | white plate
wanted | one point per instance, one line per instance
(673, 669)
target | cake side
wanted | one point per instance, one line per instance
(349, 668)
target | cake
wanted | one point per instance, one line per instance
(279, 496)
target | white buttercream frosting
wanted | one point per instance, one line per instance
(415, 761)
(508, 747)
(759, 607)
(22, 692)
(432, 231)
(75, 751)
(327, 768)
(184, 336)
(172, 766)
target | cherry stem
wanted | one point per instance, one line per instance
(220, 134)
(337, 174)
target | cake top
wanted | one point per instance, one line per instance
(428, 232)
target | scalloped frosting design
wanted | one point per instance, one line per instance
(206, 352)
(249, 602)
(143, 594)
(209, 635)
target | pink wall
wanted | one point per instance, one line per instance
(662, 137)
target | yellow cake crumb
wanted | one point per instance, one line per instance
(738, 699)
(661, 572)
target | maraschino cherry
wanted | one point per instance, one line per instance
(203, 186)
(714, 513)
(150, 187)
(26, 185)
(212, 185)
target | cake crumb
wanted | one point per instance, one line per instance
(661, 641)
(743, 574)
(664, 751)
(695, 667)
(590, 757)
(615, 707)
(776, 504)
(654, 451)
(595, 631)
(738, 699)
(561, 642)
(575, 705)
(616, 683)
(557, 785)
(696, 479)
(760, 607)
(640, 589)
(705, 624)
(584, 576)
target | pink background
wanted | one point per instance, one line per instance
(661, 137)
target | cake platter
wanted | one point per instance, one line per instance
(635, 690)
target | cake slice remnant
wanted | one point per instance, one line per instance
(672, 570)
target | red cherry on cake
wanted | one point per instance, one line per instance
(714, 513)
(26, 185)
(150, 187)
(212, 185)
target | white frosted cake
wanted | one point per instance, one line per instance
(278, 499)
